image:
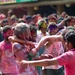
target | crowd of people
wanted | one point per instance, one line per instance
(37, 45)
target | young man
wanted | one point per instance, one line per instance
(67, 59)
(8, 63)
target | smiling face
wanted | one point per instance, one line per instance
(53, 31)
(7, 31)
(52, 28)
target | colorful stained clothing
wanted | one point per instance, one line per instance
(30, 70)
(40, 35)
(68, 60)
(8, 63)
(55, 49)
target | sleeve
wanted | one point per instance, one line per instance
(63, 59)
(16, 47)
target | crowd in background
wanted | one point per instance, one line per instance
(18, 37)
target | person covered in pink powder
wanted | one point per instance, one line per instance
(66, 59)
(22, 50)
(7, 60)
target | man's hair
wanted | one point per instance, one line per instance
(20, 28)
(6, 28)
(70, 37)
(33, 28)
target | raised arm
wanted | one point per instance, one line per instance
(48, 39)
(15, 39)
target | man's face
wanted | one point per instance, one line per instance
(33, 35)
(53, 31)
(8, 33)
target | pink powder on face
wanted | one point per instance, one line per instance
(4, 34)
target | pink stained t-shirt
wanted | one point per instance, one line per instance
(68, 60)
(30, 70)
(55, 50)
(8, 63)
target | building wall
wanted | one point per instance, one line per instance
(41, 6)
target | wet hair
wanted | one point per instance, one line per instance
(20, 28)
(6, 28)
(70, 37)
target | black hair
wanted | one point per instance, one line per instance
(70, 37)
(6, 28)
(68, 20)
(33, 28)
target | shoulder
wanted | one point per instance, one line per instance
(67, 57)
(16, 45)
(71, 53)
(54, 38)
